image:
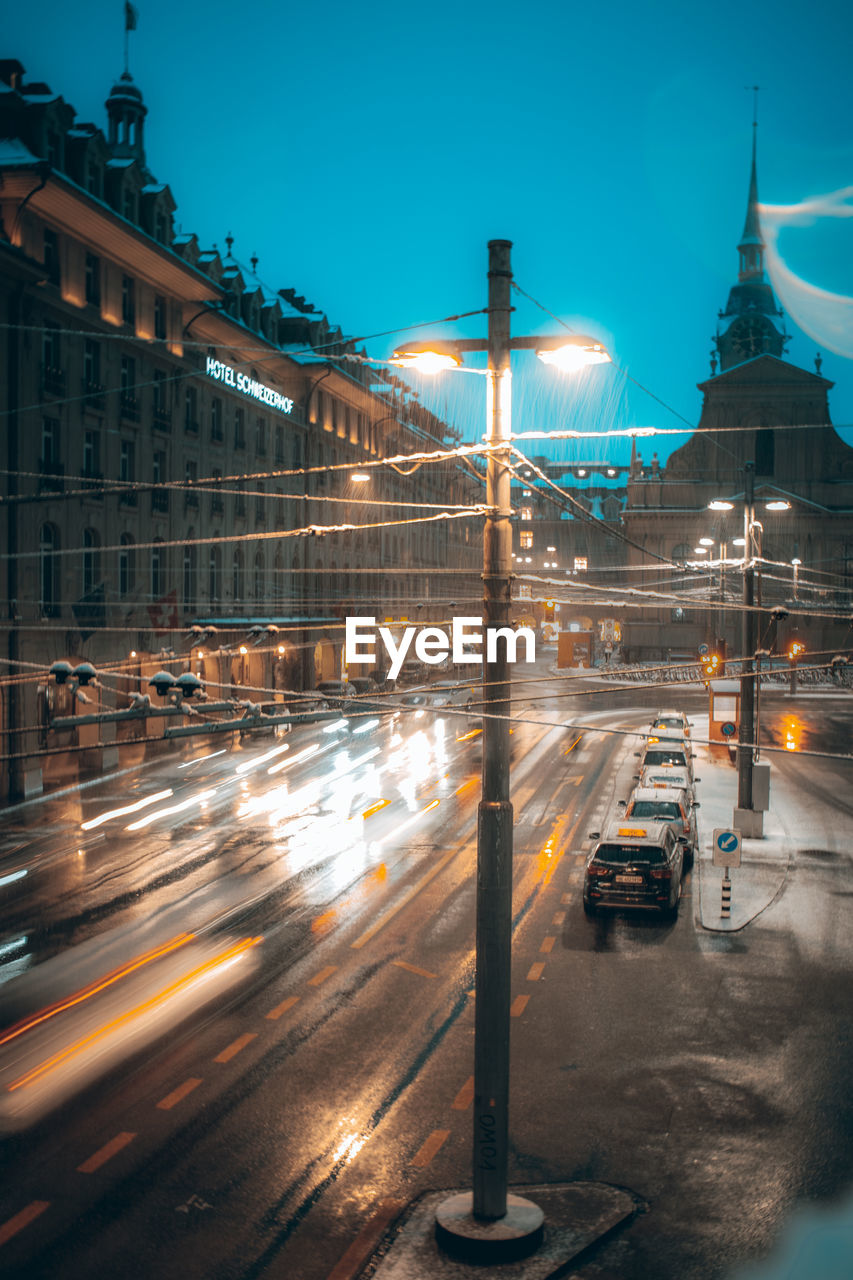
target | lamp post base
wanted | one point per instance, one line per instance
(516, 1235)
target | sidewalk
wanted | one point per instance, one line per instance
(764, 864)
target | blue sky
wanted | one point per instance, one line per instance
(368, 153)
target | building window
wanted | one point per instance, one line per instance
(49, 442)
(159, 495)
(93, 279)
(191, 409)
(51, 255)
(190, 564)
(190, 479)
(217, 506)
(679, 615)
(126, 565)
(127, 392)
(237, 577)
(240, 429)
(51, 350)
(525, 540)
(279, 445)
(92, 454)
(260, 507)
(259, 578)
(49, 570)
(581, 564)
(215, 574)
(157, 571)
(216, 432)
(527, 513)
(159, 316)
(128, 299)
(261, 435)
(127, 460)
(92, 365)
(91, 560)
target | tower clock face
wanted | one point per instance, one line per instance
(751, 335)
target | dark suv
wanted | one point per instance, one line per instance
(636, 864)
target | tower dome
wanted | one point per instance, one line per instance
(126, 113)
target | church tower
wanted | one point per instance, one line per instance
(751, 324)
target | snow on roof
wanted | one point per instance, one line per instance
(13, 151)
(124, 163)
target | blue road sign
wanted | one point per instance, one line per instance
(727, 841)
(726, 848)
(703, 649)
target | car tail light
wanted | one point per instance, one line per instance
(595, 870)
(661, 873)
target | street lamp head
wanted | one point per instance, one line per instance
(426, 357)
(778, 504)
(796, 560)
(572, 353)
(739, 542)
(359, 477)
(720, 504)
(706, 542)
(700, 551)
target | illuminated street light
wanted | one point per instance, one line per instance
(778, 504)
(720, 504)
(359, 477)
(706, 542)
(487, 1216)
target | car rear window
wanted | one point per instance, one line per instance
(624, 853)
(665, 757)
(655, 809)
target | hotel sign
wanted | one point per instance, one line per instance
(247, 385)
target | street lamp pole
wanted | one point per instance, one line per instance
(747, 680)
(495, 818)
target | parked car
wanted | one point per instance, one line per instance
(667, 804)
(634, 865)
(676, 720)
(663, 753)
(669, 778)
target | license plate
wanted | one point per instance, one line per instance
(629, 879)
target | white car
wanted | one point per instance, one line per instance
(672, 721)
(666, 804)
(668, 778)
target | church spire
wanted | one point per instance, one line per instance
(751, 246)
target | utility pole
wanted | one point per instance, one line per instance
(747, 679)
(495, 818)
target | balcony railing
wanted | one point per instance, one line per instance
(94, 481)
(160, 500)
(128, 498)
(53, 379)
(162, 419)
(190, 501)
(94, 393)
(129, 406)
(51, 476)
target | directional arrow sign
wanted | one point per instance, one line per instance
(726, 847)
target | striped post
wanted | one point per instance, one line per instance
(726, 906)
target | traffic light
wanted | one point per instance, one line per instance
(795, 648)
(710, 665)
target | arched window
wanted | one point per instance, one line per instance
(49, 570)
(91, 560)
(126, 565)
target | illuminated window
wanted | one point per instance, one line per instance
(525, 539)
(527, 513)
(581, 564)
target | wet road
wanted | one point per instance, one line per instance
(330, 1081)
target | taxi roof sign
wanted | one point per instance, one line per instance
(632, 831)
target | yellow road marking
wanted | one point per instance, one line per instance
(434, 1142)
(234, 1048)
(351, 1262)
(404, 901)
(173, 1098)
(573, 745)
(536, 970)
(547, 944)
(413, 968)
(106, 1153)
(566, 899)
(24, 1218)
(465, 1096)
(518, 1006)
(466, 786)
(322, 975)
(577, 779)
(283, 1007)
(559, 918)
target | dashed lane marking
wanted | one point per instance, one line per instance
(13, 1225)
(518, 1006)
(322, 975)
(566, 899)
(173, 1098)
(536, 970)
(465, 1096)
(283, 1007)
(413, 968)
(106, 1153)
(559, 918)
(406, 899)
(434, 1142)
(547, 944)
(234, 1048)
